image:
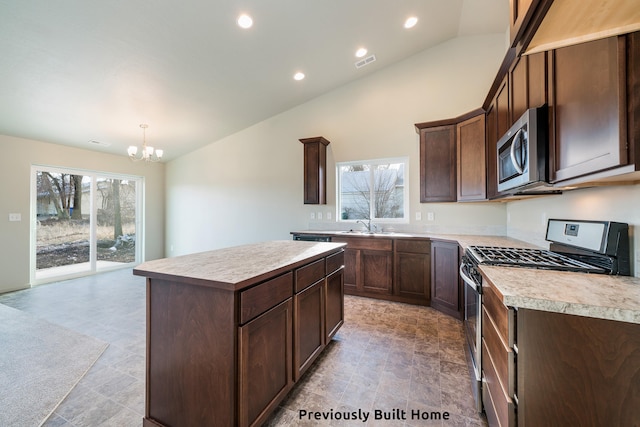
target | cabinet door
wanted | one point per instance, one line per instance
(334, 304)
(413, 276)
(472, 177)
(445, 284)
(589, 106)
(376, 271)
(265, 365)
(497, 124)
(438, 164)
(309, 327)
(520, 13)
(351, 267)
(315, 174)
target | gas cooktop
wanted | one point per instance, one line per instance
(581, 246)
(532, 258)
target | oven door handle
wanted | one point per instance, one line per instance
(467, 279)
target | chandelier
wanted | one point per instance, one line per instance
(148, 154)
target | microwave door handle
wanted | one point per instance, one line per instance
(516, 164)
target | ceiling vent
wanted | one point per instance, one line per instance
(102, 144)
(366, 61)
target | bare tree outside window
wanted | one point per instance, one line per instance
(372, 190)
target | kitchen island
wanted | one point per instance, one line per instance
(230, 331)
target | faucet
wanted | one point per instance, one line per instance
(368, 225)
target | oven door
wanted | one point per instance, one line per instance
(473, 329)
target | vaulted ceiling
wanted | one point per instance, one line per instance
(75, 71)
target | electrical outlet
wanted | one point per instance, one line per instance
(430, 216)
(328, 215)
(319, 215)
(418, 216)
(312, 215)
(15, 217)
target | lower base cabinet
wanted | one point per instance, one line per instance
(224, 358)
(576, 370)
(445, 280)
(384, 268)
(264, 370)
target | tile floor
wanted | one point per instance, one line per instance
(391, 357)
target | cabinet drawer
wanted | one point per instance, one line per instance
(500, 354)
(499, 406)
(309, 274)
(371, 243)
(262, 297)
(416, 246)
(498, 312)
(335, 262)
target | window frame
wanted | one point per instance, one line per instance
(372, 163)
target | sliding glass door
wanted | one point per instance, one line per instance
(83, 222)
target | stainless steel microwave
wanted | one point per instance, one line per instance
(522, 154)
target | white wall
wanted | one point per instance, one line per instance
(527, 219)
(15, 177)
(248, 187)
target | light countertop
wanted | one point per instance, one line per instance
(591, 295)
(239, 266)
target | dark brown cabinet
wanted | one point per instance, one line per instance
(413, 271)
(498, 359)
(445, 281)
(390, 269)
(452, 159)
(588, 107)
(334, 303)
(264, 371)
(471, 168)
(438, 164)
(315, 170)
(577, 368)
(497, 124)
(308, 306)
(368, 265)
(528, 85)
(221, 355)
(520, 13)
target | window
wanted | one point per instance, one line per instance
(85, 222)
(373, 189)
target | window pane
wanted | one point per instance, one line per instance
(116, 221)
(389, 190)
(373, 190)
(355, 191)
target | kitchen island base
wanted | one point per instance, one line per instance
(224, 349)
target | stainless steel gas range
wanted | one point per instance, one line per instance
(600, 247)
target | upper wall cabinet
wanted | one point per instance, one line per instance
(315, 170)
(520, 13)
(452, 159)
(472, 177)
(438, 164)
(590, 112)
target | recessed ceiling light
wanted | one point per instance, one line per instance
(361, 52)
(410, 22)
(245, 21)
(298, 76)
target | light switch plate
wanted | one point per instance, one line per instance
(319, 215)
(418, 216)
(15, 217)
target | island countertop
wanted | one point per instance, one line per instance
(237, 267)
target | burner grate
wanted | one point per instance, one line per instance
(534, 258)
